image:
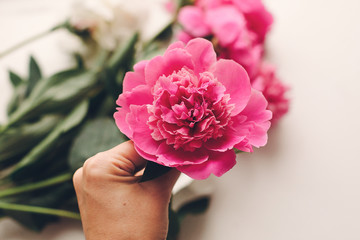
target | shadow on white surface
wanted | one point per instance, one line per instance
(63, 230)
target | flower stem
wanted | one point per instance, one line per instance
(29, 40)
(40, 210)
(33, 186)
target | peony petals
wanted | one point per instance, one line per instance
(255, 109)
(140, 95)
(226, 142)
(173, 60)
(192, 19)
(226, 23)
(141, 136)
(170, 157)
(218, 164)
(236, 81)
(202, 53)
(187, 110)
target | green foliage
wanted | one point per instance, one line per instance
(96, 136)
(15, 79)
(37, 155)
(34, 75)
(57, 122)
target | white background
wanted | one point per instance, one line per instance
(305, 184)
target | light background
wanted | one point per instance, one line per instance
(305, 184)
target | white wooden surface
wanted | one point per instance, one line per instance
(305, 184)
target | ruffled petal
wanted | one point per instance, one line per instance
(236, 82)
(170, 157)
(217, 164)
(173, 60)
(193, 20)
(203, 54)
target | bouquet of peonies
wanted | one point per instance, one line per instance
(189, 95)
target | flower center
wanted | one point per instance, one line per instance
(188, 110)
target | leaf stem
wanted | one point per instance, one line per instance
(40, 210)
(33, 186)
(29, 40)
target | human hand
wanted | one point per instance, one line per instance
(114, 205)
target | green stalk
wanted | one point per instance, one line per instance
(40, 210)
(34, 186)
(29, 40)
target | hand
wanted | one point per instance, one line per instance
(114, 205)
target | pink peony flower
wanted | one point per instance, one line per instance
(258, 19)
(274, 91)
(187, 110)
(236, 28)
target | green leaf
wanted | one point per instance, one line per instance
(15, 79)
(96, 136)
(153, 170)
(123, 54)
(195, 207)
(49, 198)
(29, 162)
(17, 98)
(58, 93)
(18, 140)
(34, 75)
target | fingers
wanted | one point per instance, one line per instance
(127, 151)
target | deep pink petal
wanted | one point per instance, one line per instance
(137, 121)
(144, 154)
(120, 120)
(193, 20)
(226, 23)
(255, 110)
(183, 36)
(139, 95)
(168, 156)
(218, 164)
(133, 79)
(172, 60)
(175, 45)
(203, 54)
(226, 142)
(236, 82)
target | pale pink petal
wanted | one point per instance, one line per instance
(236, 82)
(192, 19)
(218, 164)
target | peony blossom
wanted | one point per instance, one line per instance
(187, 110)
(237, 28)
(274, 91)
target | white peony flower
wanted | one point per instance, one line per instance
(110, 22)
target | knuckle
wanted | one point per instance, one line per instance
(77, 177)
(94, 167)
